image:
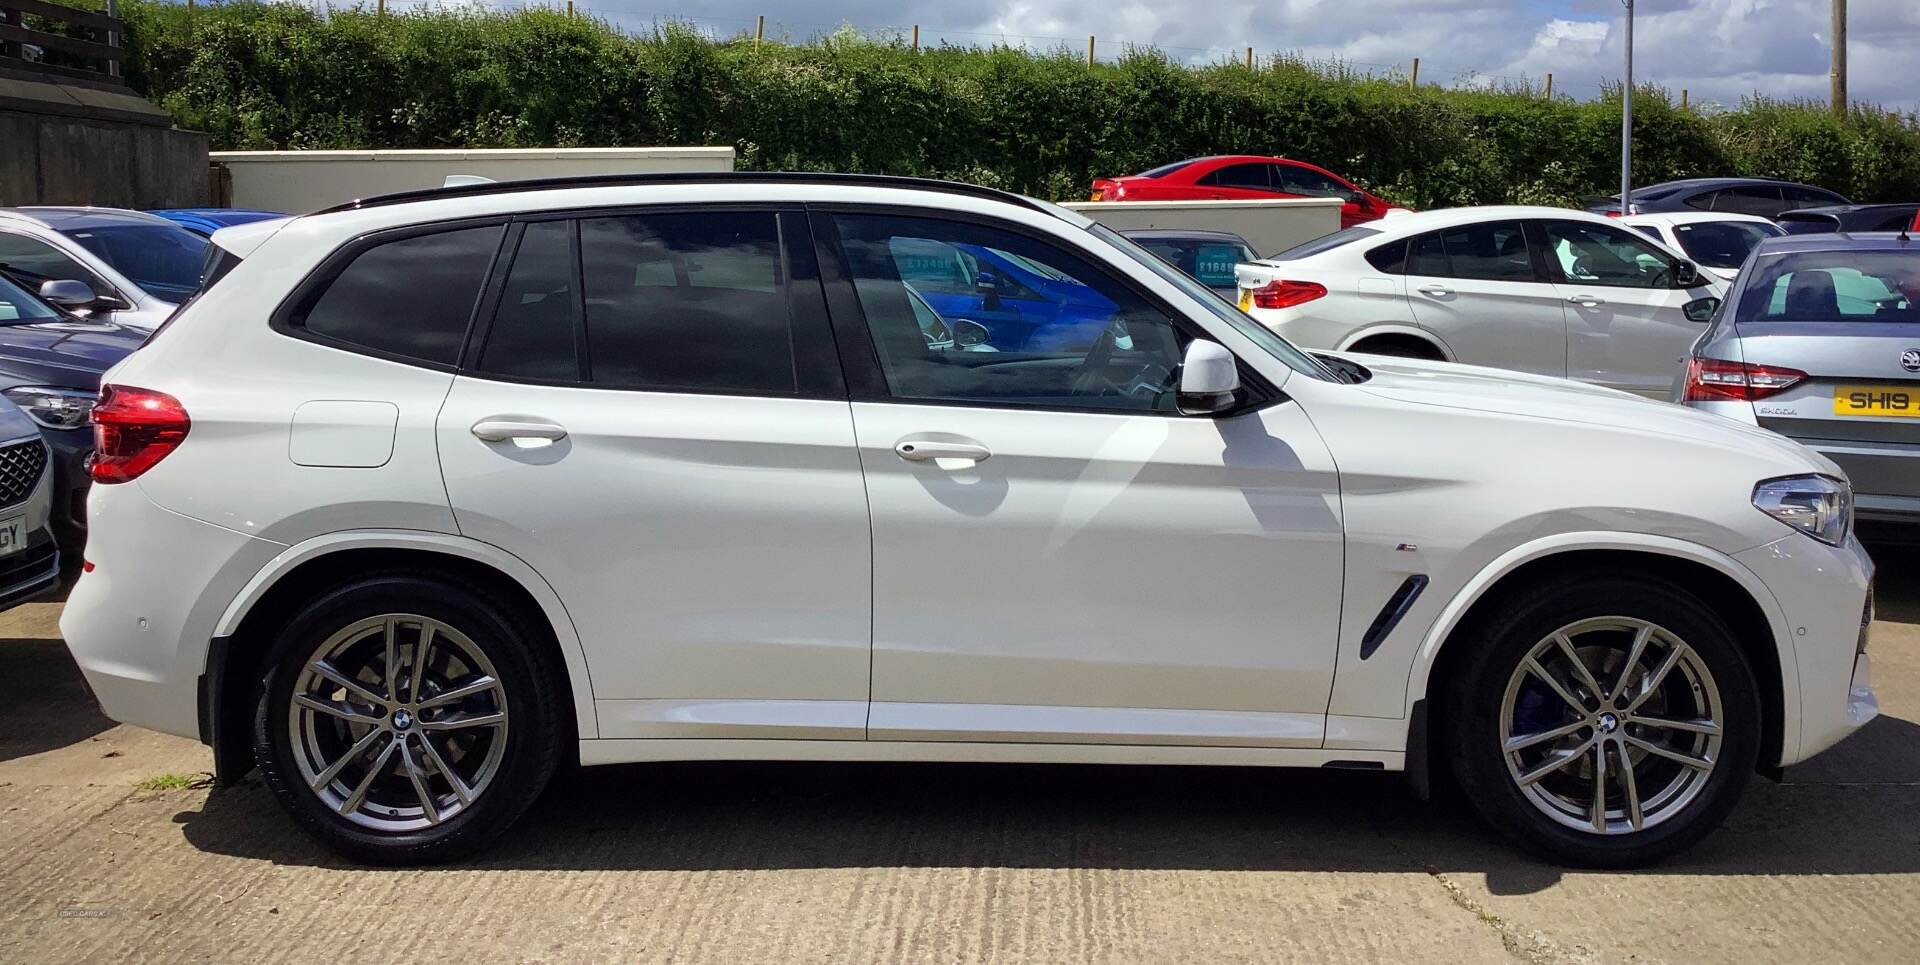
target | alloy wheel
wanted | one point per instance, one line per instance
(1611, 725)
(398, 722)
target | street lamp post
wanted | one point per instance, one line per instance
(1626, 123)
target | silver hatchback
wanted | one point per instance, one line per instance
(1819, 340)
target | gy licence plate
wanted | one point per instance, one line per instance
(1876, 400)
(13, 534)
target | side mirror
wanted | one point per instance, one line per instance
(1686, 275)
(1701, 309)
(967, 333)
(68, 293)
(1209, 377)
(987, 285)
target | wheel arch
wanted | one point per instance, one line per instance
(1395, 331)
(239, 645)
(1758, 623)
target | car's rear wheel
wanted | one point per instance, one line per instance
(1607, 722)
(406, 720)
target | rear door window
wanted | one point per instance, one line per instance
(1760, 199)
(1721, 244)
(1490, 251)
(1249, 176)
(411, 298)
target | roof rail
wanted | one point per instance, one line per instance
(687, 177)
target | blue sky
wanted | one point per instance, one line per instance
(1719, 50)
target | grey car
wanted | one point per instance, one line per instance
(136, 267)
(1819, 340)
(29, 560)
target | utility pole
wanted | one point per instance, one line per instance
(1626, 124)
(1837, 77)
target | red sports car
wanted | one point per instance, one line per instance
(1242, 176)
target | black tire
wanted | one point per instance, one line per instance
(1475, 701)
(533, 737)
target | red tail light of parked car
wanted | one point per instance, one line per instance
(1710, 380)
(133, 429)
(1286, 294)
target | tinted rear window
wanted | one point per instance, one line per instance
(1828, 286)
(412, 297)
(1166, 169)
(1722, 244)
(1344, 236)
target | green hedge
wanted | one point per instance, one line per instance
(267, 76)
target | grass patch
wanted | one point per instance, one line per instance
(173, 782)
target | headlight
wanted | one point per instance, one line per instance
(54, 407)
(1819, 506)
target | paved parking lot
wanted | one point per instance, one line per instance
(102, 857)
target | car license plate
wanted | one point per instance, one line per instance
(1876, 400)
(13, 534)
(1246, 299)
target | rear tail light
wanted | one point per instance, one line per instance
(133, 429)
(1711, 380)
(1286, 294)
(1106, 189)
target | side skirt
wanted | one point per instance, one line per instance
(633, 750)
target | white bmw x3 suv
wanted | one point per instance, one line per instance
(429, 493)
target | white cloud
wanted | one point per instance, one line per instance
(1718, 49)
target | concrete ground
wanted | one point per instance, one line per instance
(936, 863)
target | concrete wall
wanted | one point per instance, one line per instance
(300, 181)
(72, 144)
(1269, 226)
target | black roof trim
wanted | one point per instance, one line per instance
(688, 177)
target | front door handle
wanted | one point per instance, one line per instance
(923, 450)
(504, 428)
(1437, 291)
(1586, 301)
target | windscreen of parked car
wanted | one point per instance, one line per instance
(1833, 286)
(1723, 244)
(1344, 236)
(17, 305)
(164, 260)
(1222, 309)
(1210, 262)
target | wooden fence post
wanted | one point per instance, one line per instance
(1549, 87)
(1413, 79)
(1249, 58)
(1683, 98)
(1089, 50)
(759, 29)
(380, 9)
(916, 38)
(569, 8)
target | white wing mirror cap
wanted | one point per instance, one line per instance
(1209, 376)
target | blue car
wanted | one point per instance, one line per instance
(206, 221)
(1025, 306)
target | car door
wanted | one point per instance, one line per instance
(1627, 324)
(1478, 288)
(1309, 183)
(1059, 554)
(1239, 182)
(654, 420)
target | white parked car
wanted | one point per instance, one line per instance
(135, 266)
(667, 467)
(1717, 241)
(1547, 291)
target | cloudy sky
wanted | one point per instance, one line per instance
(1720, 50)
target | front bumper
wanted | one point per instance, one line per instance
(1822, 594)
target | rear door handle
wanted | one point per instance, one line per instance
(924, 450)
(501, 429)
(1586, 301)
(1437, 291)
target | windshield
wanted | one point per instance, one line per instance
(164, 260)
(1833, 286)
(1276, 346)
(19, 305)
(1325, 243)
(1723, 244)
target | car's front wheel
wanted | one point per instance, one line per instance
(1605, 722)
(406, 720)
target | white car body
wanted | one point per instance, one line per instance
(762, 578)
(1627, 338)
(1669, 227)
